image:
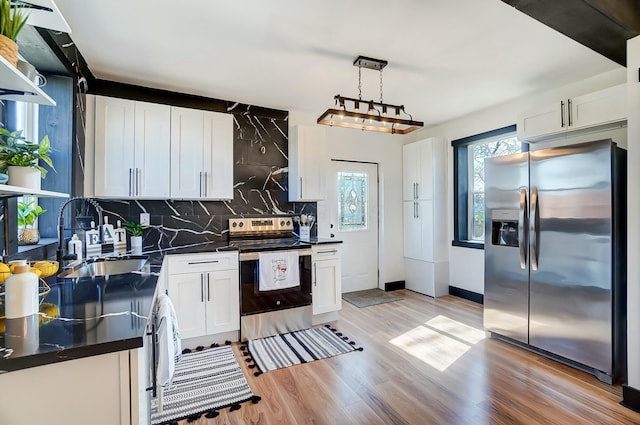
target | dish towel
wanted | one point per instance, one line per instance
(169, 345)
(278, 270)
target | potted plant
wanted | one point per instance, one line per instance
(28, 213)
(19, 158)
(135, 230)
(12, 20)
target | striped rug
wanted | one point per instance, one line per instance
(284, 350)
(203, 382)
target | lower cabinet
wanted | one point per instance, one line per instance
(97, 390)
(205, 292)
(327, 283)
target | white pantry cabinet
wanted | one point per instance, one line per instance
(132, 145)
(581, 112)
(205, 291)
(327, 281)
(308, 163)
(424, 217)
(201, 154)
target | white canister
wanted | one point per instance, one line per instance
(75, 246)
(21, 297)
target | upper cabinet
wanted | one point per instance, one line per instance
(201, 154)
(132, 145)
(307, 163)
(139, 150)
(417, 175)
(581, 112)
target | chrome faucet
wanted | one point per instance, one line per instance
(90, 201)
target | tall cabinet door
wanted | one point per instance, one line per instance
(223, 301)
(571, 249)
(218, 156)
(188, 130)
(410, 173)
(152, 147)
(114, 147)
(506, 267)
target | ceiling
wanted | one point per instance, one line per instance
(447, 58)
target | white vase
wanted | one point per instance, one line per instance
(27, 177)
(136, 245)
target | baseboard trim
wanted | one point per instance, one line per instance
(630, 398)
(394, 286)
(467, 295)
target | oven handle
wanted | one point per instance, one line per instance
(252, 256)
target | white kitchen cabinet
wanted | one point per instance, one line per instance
(95, 390)
(308, 163)
(416, 171)
(201, 154)
(424, 216)
(131, 149)
(327, 283)
(205, 291)
(581, 112)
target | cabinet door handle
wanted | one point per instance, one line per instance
(414, 191)
(301, 188)
(201, 287)
(417, 210)
(206, 184)
(130, 181)
(208, 289)
(315, 274)
(569, 112)
(203, 262)
(328, 252)
(561, 114)
(417, 190)
(136, 182)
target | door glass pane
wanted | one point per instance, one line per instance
(352, 201)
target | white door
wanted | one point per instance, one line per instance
(352, 211)
(187, 149)
(153, 141)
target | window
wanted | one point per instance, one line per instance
(352, 201)
(469, 154)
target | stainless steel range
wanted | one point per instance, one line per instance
(283, 304)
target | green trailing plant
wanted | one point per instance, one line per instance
(16, 150)
(28, 212)
(12, 19)
(135, 229)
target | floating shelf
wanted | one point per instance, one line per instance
(14, 85)
(7, 191)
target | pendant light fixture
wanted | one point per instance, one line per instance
(379, 116)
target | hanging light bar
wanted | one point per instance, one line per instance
(373, 120)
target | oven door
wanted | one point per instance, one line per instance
(254, 301)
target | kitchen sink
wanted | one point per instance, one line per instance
(106, 267)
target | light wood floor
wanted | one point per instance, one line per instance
(425, 361)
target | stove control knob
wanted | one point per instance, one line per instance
(282, 223)
(288, 222)
(234, 225)
(241, 224)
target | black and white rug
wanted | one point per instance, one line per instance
(204, 381)
(293, 348)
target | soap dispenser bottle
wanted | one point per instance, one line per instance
(75, 246)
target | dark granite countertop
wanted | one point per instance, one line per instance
(88, 316)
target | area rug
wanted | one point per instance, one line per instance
(293, 348)
(204, 381)
(369, 297)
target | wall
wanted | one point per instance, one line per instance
(466, 265)
(386, 151)
(633, 221)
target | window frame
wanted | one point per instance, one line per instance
(461, 172)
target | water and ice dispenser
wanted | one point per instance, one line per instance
(504, 227)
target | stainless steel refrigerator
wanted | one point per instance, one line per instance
(555, 254)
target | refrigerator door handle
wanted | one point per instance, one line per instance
(522, 218)
(533, 229)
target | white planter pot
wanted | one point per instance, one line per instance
(27, 177)
(136, 245)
